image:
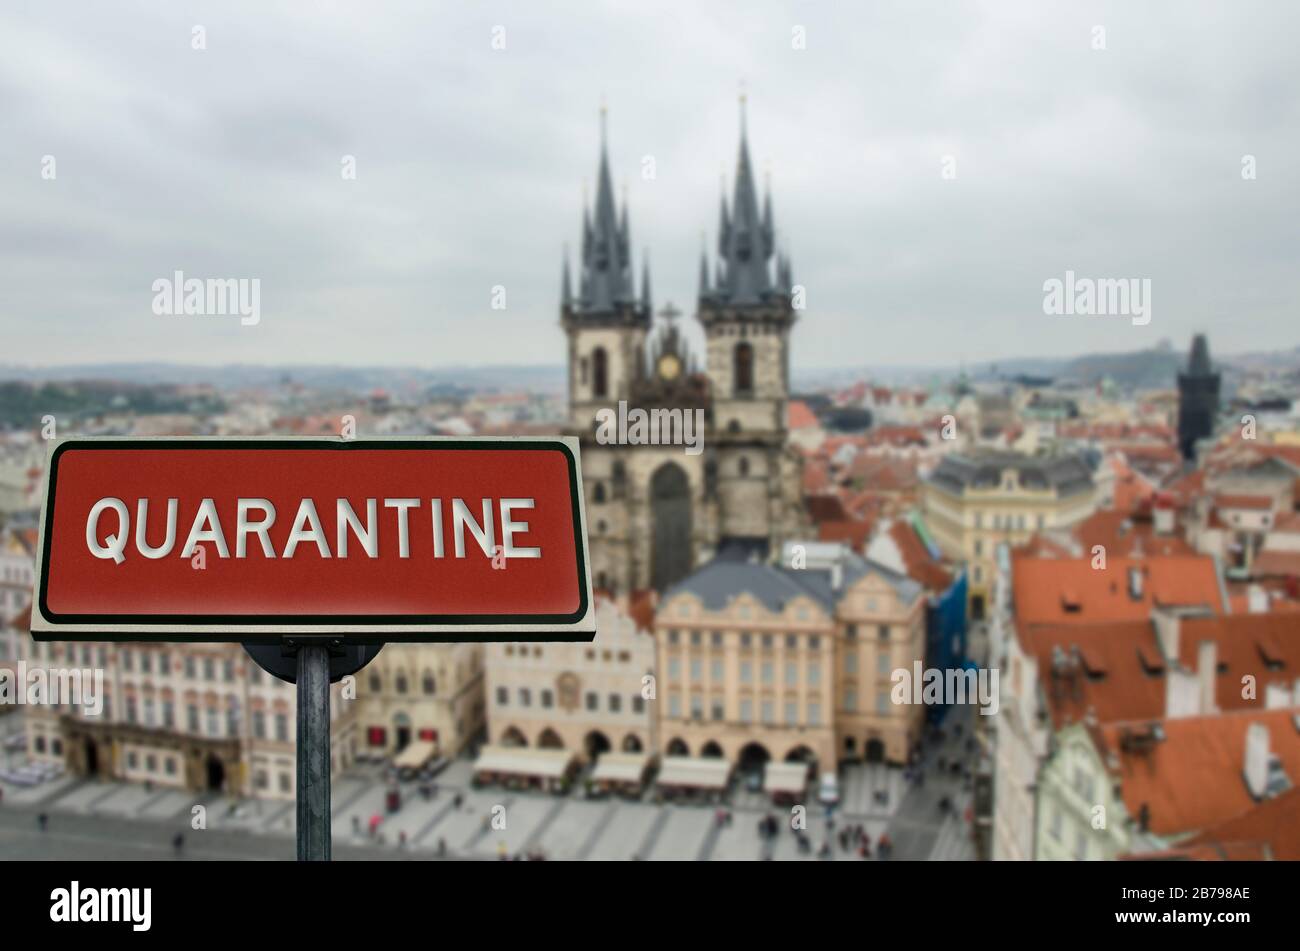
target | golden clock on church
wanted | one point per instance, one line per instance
(669, 366)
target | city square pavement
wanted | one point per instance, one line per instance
(458, 821)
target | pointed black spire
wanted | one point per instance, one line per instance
(646, 304)
(746, 238)
(1198, 398)
(566, 290)
(606, 264)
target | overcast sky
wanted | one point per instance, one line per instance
(471, 161)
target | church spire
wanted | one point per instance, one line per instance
(566, 290)
(746, 237)
(646, 304)
(607, 277)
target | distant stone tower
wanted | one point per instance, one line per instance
(1198, 398)
(747, 312)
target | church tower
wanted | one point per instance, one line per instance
(747, 312)
(1198, 398)
(605, 322)
(607, 326)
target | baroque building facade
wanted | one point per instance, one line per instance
(658, 507)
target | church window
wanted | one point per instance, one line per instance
(598, 493)
(600, 368)
(744, 466)
(744, 368)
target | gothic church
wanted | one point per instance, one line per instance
(655, 512)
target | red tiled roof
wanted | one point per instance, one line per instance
(916, 558)
(1200, 755)
(1124, 668)
(852, 532)
(1103, 594)
(1255, 502)
(1270, 829)
(1271, 563)
(799, 416)
(816, 476)
(825, 507)
(1121, 532)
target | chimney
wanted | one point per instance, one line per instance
(837, 575)
(1256, 600)
(1167, 625)
(1162, 516)
(1182, 693)
(1255, 769)
(1276, 697)
(1135, 582)
(1207, 669)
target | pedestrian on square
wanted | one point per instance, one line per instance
(43, 821)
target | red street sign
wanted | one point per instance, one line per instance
(204, 539)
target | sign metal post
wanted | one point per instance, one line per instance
(314, 819)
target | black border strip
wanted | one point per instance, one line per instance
(332, 620)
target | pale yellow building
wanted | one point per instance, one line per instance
(427, 692)
(586, 697)
(975, 502)
(760, 663)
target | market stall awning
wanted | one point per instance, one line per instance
(621, 767)
(416, 754)
(524, 761)
(696, 772)
(785, 778)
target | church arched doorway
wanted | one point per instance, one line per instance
(670, 513)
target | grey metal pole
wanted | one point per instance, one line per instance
(313, 753)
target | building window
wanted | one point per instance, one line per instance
(851, 662)
(851, 632)
(791, 674)
(600, 366)
(697, 707)
(715, 671)
(743, 368)
(814, 714)
(525, 697)
(259, 724)
(769, 711)
(883, 666)
(593, 702)
(674, 706)
(674, 668)
(747, 711)
(768, 672)
(281, 728)
(850, 699)
(638, 703)
(503, 697)
(882, 703)
(814, 674)
(884, 632)
(791, 713)
(430, 685)
(548, 699)
(615, 703)
(400, 683)
(697, 671)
